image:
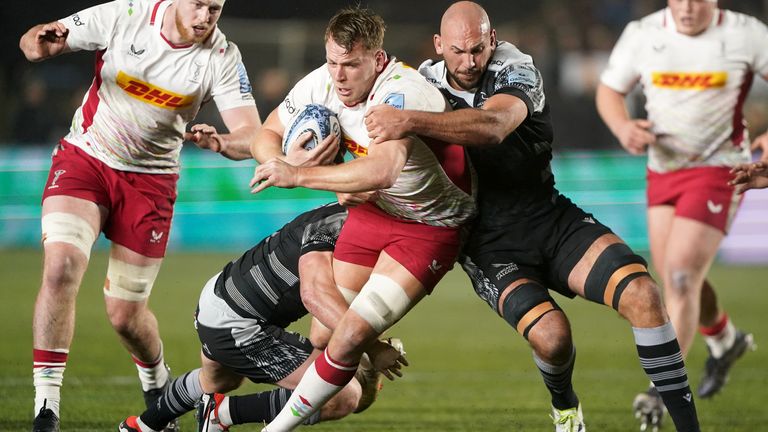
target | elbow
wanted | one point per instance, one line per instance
(383, 179)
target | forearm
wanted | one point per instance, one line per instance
(266, 145)
(359, 175)
(468, 127)
(236, 145)
(612, 108)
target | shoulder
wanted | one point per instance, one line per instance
(740, 21)
(402, 84)
(433, 71)
(506, 55)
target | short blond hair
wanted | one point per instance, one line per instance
(355, 24)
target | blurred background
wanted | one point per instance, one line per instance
(570, 41)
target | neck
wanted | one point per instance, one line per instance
(169, 29)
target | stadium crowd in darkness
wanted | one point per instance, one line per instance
(570, 40)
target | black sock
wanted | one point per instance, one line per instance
(662, 361)
(262, 407)
(179, 398)
(558, 381)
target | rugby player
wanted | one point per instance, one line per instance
(241, 319)
(528, 237)
(395, 248)
(115, 172)
(696, 63)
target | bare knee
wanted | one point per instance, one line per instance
(641, 303)
(62, 272)
(124, 316)
(680, 282)
(343, 403)
(551, 338)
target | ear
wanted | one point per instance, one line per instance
(493, 38)
(381, 60)
(438, 44)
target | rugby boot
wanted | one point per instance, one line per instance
(716, 368)
(568, 420)
(371, 382)
(207, 414)
(649, 409)
(46, 420)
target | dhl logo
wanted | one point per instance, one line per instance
(355, 148)
(690, 80)
(152, 94)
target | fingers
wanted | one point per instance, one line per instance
(55, 28)
(203, 128)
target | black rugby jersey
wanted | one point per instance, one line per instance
(515, 175)
(263, 283)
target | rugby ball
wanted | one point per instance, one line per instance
(314, 118)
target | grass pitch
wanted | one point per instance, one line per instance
(469, 370)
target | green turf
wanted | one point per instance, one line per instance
(469, 371)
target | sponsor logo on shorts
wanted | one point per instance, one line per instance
(156, 236)
(714, 208)
(56, 175)
(689, 80)
(152, 94)
(435, 267)
(505, 269)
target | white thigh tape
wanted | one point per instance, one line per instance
(68, 228)
(381, 302)
(129, 282)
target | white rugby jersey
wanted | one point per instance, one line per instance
(695, 86)
(145, 88)
(426, 190)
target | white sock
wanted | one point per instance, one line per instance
(721, 342)
(152, 375)
(48, 376)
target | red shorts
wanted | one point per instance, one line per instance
(702, 194)
(427, 252)
(140, 205)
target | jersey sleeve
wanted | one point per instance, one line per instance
(303, 93)
(759, 35)
(231, 88)
(524, 81)
(92, 28)
(620, 74)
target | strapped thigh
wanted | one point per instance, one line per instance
(525, 306)
(612, 272)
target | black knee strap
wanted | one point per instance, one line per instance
(614, 269)
(525, 306)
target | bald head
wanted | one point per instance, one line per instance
(466, 42)
(467, 16)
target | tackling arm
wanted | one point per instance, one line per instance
(490, 125)
(378, 170)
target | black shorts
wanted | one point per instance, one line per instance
(544, 246)
(260, 351)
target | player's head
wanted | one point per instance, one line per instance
(196, 19)
(354, 41)
(466, 42)
(692, 16)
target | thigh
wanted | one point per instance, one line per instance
(692, 245)
(660, 221)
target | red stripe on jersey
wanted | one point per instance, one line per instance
(737, 136)
(454, 161)
(154, 13)
(174, 46)
(92, 102)
(44, 356)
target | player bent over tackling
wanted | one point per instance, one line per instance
(241, 320)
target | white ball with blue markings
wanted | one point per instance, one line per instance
(314, 118)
